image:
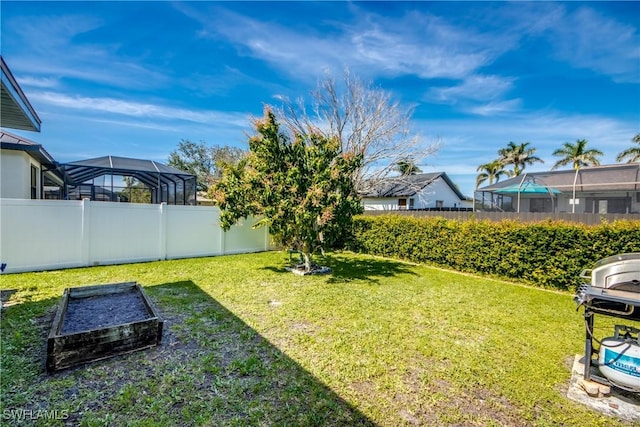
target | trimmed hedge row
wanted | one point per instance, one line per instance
(549, 254)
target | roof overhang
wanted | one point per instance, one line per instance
(16, 111)
(35, 151)
(9, 141)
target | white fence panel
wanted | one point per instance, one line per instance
(52, 234)
(193, 231)
(243, 238)
(40, 234)
(124, 232)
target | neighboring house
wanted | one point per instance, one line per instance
(27, 170)
(433, 191)
(25, 166)
(598, 189)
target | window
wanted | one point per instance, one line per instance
(34, 182)
(603, 206)
(82, 191)
(439, 203)
(52, 193)
(402, 204)
(411, 204)
(608, 205)
(540, 205)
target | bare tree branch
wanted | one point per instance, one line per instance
(366, 120)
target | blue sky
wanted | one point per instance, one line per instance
(134, 78)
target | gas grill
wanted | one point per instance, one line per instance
(613, 289)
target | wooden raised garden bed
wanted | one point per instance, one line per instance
(100, 321)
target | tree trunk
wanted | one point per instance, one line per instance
(307, 261)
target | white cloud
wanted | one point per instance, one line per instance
(50, 50)
(475, 87)
(478, 95)
(71, 136)
(417, 44)
(424, 51)
(40, 82)
(587, 39)
(494, 108)
(135, 109)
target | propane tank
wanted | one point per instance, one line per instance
(619, 359)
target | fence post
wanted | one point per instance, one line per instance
(223, 236)
(162, 243)
(85, 232)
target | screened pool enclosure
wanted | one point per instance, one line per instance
(121, 179)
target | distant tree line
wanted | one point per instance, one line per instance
(204, 161)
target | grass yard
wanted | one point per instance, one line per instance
(378, 342)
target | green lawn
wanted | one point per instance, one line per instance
(247, 343)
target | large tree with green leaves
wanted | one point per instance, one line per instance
(491, 172)
(576, 155)
(518, 155)
(631, 154)
(203, 160)
(300, 184)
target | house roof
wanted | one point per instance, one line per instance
(16, 111)
(409, 185)
(618, 177)
(150, 172)
(9, 141)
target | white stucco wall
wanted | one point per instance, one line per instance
(379, 204)
(466, 204)
(439, 190)
(15, 174)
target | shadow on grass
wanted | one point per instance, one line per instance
(210, 369)
(373, 270)
(348, 268)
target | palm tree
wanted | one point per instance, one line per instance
(491, 172)
(519, 156)
(633, 153)
(577, 155)
(407, 167)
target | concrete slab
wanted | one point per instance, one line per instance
(610, 401)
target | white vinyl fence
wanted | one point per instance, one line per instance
(40, 235)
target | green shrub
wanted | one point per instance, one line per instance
(548, 254)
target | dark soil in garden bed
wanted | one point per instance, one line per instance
(102, 311)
